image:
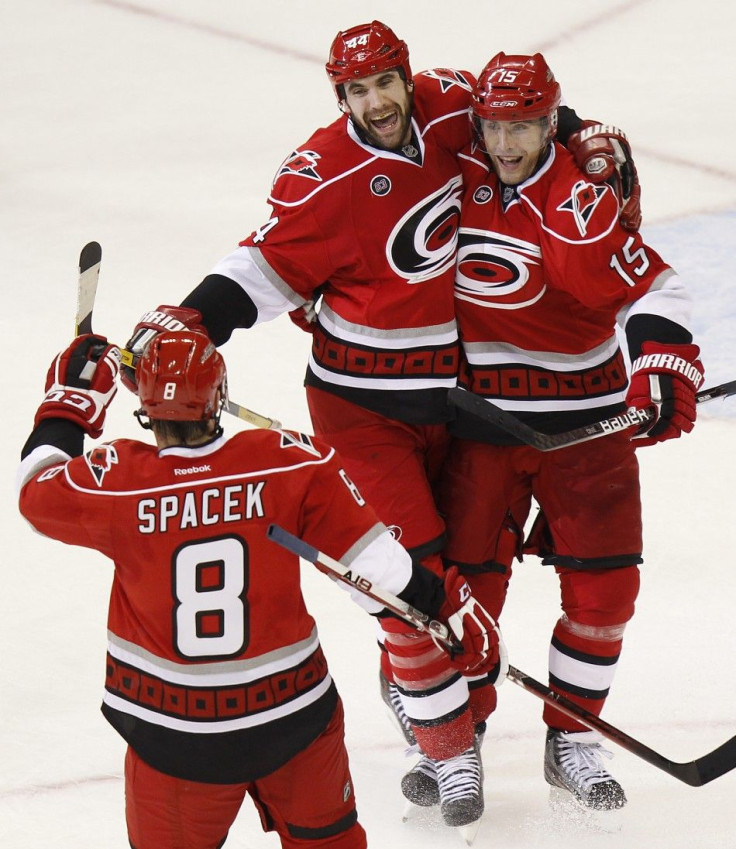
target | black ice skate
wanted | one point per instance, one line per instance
(573, 762)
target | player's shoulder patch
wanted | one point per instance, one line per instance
(445, 81)
(576, 209)
(322, 161)
(293, 440)
(101, 460)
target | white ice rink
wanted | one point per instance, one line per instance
(154, 127)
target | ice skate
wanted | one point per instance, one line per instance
(392, 699)
(460, 785)
(581, 787)
(419, 785)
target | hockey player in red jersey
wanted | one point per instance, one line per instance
(365, 214)
(545, 273)
(215, 676)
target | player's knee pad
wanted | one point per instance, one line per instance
(599, 598)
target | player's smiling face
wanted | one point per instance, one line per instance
(381, 106)
(515, 147)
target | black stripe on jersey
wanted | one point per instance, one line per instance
(231, 757)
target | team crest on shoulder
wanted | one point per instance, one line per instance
(447, 78)
(100, 460)
(302, 163)
(582, 202)
(289, 439)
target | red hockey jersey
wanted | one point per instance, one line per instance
(214, 667)
(544, 274)
(375, 232)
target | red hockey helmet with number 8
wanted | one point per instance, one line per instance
(181, 377)
(365, 50)
(516, 88)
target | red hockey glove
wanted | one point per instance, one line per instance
(81, 383)
(473, 626)
(305, 316)
(151, 324)
(665, 378)
(603, 153)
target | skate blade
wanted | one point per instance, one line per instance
(569, 812)
(469, 832)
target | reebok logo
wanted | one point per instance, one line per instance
(193, 470)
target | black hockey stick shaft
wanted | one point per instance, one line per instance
(484, 409)
(90, 259)
(695, 773)
(341, 572)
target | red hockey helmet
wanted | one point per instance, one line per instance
(517, 88)
(181, 377)
(365, 50)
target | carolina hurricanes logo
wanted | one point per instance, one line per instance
(100, 460)
(582, 202)
(303, 163)
(497, 272)
(422, 245)
(448, 78)
(298, 440)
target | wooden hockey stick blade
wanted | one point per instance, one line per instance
(696, 773)
(89, 272)
(252, 418)
(479, 406)
(339, 571)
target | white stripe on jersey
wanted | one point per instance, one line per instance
(398, 338)
(221, 674)
(505, 355)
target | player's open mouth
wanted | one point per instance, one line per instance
(385, 123)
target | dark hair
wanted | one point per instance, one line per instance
(183, 433)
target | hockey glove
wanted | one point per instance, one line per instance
(81, 383)
(603, 153)
(665, 378)
(473, 626)
(151, 324)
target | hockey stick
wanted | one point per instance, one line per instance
(695, 773)
(479, 406)
(90, 259)
(339, 572)
(89, 273)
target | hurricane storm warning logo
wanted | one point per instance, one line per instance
(423, 243)
(497, 272)
(100, 460)
(448, 78)
(582, 202)
(301, 163)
